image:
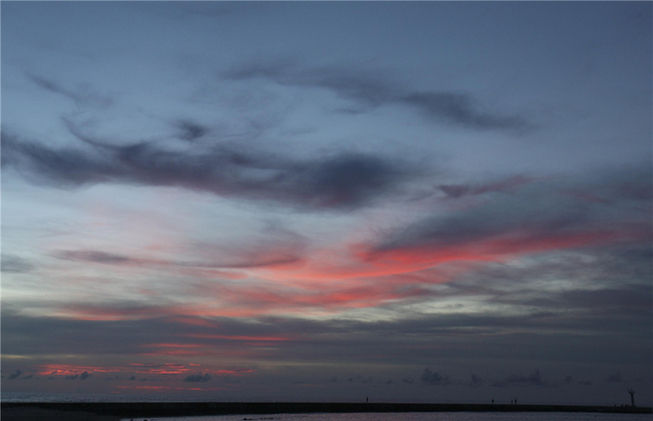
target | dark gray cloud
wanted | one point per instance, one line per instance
(482, 341)
(476, 380)
(566, 335)
(82, 376)
(256, 256)
(538, 214)
(635, 298)
(189, 130)
(15, 264)
(532, 379)
(339, 181)
(510, 216)
(16, 374)
(373, 90)
(463, 110)
(629, 186)
(94, 256)
(201, 378)
(359, 379)
(63, 167)
(432, 378)
(613, 284)
(614, 378)
(459, 190)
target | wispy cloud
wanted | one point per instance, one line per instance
(15, 264)
(460, 190)
(81, 96)
(373, 90)
(246, 259)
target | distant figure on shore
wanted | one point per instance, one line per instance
(367, 399)
(492, 401)
(631, 392)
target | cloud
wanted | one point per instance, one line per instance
(434, 378)
(15, 264)
(500, 219)
(475, 380)
(189, 130)
(359, 379)
(462, 109)
(81, 376)
(459, 190)
(536, 217)
(82, 95)
(486, 337)
(94, 256)
(374, 90)
(201, 378)
(532, 379)
(64, 167)
(614, 378)
(598, 282)
(344, 180)
(16, 374)
(634, 297)
(266, 254)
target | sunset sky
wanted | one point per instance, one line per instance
(428, 202)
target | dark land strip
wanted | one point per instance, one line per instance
(108, 411)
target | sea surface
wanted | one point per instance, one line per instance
(417, 416)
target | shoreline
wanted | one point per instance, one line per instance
(108, 411)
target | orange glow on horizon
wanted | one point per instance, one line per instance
(71, 370)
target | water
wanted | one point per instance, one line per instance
(418, 416)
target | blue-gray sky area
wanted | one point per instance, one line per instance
(327, 201)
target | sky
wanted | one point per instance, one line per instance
(332, 201)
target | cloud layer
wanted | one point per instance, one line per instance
(455, 209)
(339, 181)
